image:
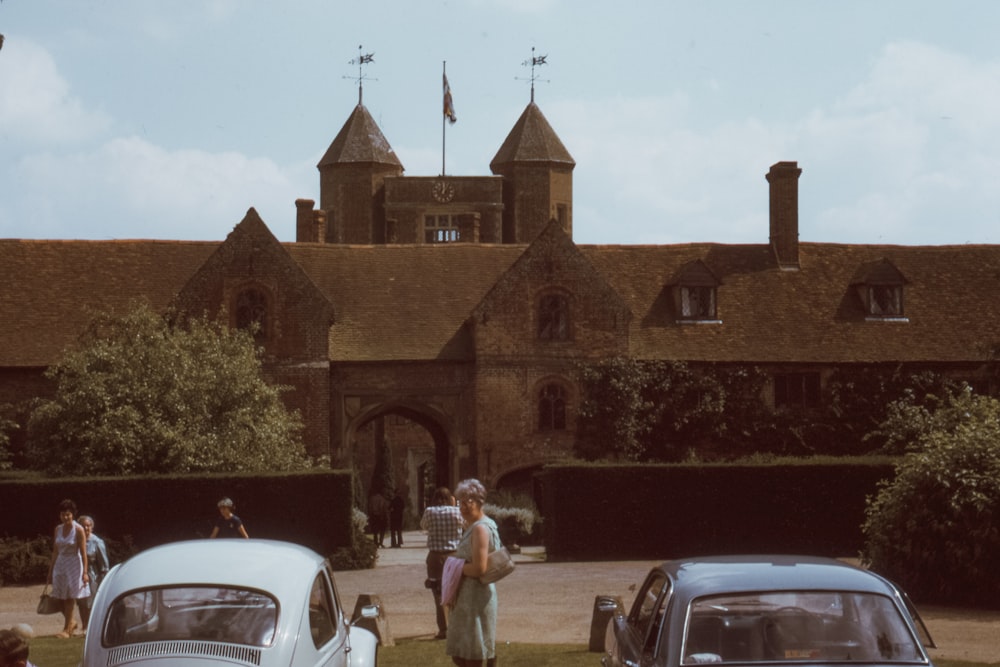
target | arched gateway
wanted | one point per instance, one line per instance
(418, 437)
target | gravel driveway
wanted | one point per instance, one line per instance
(540, 603)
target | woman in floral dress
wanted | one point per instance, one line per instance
(68, 569)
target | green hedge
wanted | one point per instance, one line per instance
(605, 512)
(311, 508)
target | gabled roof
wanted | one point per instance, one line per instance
(360, 141)
(880, 272)
(402, 302)
(531, 139)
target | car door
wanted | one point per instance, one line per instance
(632, 640)
(326, 626)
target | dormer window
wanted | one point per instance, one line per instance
(697, 302)
(879, 286)
(695, 290)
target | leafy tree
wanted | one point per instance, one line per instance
(880, 409)
(662, 410)
(935, 528)
(141, 394)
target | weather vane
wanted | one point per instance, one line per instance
(536, 61)
(362, 60)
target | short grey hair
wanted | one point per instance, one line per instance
(471, 488)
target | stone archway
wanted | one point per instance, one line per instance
(422, 445)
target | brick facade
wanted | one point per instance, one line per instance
(462, 349)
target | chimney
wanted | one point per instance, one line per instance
(305, 228)
(784, 202)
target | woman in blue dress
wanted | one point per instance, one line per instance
(472, 624)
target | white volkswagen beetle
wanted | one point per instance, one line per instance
(239, 602)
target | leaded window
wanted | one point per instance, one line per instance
(552, 408)
(553, 317)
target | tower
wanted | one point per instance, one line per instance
(352, 178)
(538, 178)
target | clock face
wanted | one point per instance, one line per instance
(443, 191)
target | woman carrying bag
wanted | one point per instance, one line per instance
(472, 623)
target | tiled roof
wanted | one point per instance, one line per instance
(951, 304)
(402, 302)
(50, 289)
(531, 139)
(410, 302)
(360, 141)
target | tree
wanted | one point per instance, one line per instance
(145, 394)
(935, 528)
(663, 410)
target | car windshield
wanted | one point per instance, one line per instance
(231, 615)
(806, 626)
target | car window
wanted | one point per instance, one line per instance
(805, 626)
(321, 611)
(647, 612)
(230, 615)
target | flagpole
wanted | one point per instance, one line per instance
(444, 117)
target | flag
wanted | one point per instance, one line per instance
(449, 106)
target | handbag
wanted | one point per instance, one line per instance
(48, 604)
(498, 565)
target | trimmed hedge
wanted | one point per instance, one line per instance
(313, 509)
(620, 512)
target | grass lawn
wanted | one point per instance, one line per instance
(51, 652)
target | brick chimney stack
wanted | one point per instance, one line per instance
(784, 202)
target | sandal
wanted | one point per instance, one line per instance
(63, 635)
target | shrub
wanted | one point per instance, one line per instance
(516, 516)
(24, 561)
(935, 529)
(362, 553)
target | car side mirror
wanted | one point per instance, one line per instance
(368, 611)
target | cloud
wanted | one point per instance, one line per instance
(907, 155)
(37, 106)
(130, 188)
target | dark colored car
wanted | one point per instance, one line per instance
(741, 610)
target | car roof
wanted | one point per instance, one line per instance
(281, 568)
(694, 577)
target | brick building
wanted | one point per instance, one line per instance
(447, 314)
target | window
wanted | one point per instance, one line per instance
(321, 616)
(251, 311)
(553, 317)
(695, 288)
(225, 614)
(880, 286)
(440, 229)
(796, 390)
(885, 300)
(648, 611)
(552, 408)
(698, 303)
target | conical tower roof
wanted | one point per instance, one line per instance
(360, 141)
(532, 139)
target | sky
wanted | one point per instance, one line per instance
(124, 119)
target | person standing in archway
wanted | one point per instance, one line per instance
(396, 507)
